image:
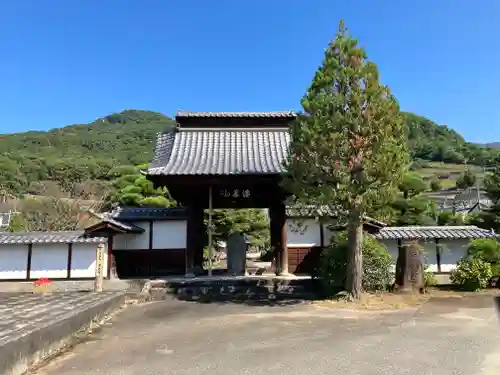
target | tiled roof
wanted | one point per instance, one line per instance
(276, 114)
(122, 214)
(127, 227)
(48, 237)
(424, 233)
(221, 152)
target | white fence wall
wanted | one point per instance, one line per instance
(83, 260)
(307, 233)
(49, 260)
(170, 234)
(131, 241)
(13, 262)
(166, 234)
(451, 252)
(303, 233)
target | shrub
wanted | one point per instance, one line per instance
(435, 184)
(471, 274)
(429, 278)
(488, 250)
(377, 262)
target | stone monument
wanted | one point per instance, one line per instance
(236, 254)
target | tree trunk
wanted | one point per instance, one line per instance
(355, 257)
(409, 269)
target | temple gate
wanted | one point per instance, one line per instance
(240, 156)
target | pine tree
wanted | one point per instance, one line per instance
(410, 206)
(348, 149)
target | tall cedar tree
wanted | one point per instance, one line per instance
(348, 150)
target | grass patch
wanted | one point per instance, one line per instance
(378, 301)
(451, 171)
(395, 301)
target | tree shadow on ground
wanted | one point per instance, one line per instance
(246, 293)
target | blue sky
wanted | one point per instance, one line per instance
(66, 62)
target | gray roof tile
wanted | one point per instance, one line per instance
(121, 214)
(221, 152)
(48, 237)
(274, 114)
(427, 233)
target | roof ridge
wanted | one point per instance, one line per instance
(287, 114)
(235, 129)
(42, 232)
(434, 227)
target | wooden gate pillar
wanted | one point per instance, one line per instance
(277, 215)
(194, 241)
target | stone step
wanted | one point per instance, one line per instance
(231, 289)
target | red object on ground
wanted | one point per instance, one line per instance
(42, 281)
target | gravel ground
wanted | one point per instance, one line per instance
(447, 336)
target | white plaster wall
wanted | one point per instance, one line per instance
(303, 233)
(13, 261)
(49, 260)
(170, 234)
(131, 241)
(83, 260)
(452, 251)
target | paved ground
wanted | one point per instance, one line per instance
(21, 313)
(451, 337)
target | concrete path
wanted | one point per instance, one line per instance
(446, 337)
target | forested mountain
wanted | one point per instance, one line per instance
(79, 153)
(432, 142)
(495, 145)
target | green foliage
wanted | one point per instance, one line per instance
(430, 279)
(348, 148)
(95, 151)
(377, 263)
(412, 185)
(450, 218)
(253, 223)
(435, 185)
(410, 207)
(134, 190)
(471, 274)
(79, 153)
(466, 180)
(487, 250)
(490, 219)
(432, 142)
